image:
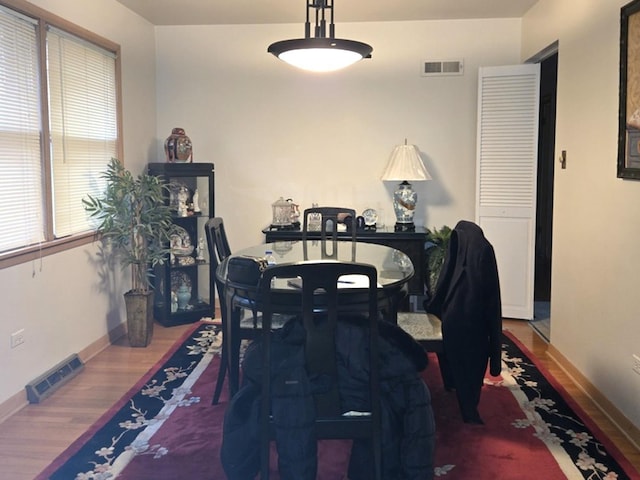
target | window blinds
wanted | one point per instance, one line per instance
(21, 193)
(83, 123)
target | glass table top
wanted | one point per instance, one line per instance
(393, 266)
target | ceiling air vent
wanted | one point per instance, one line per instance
(440, 68)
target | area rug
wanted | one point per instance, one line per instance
(166, 427)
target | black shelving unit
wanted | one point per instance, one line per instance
(184, 286)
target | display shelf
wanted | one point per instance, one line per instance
(184, 288)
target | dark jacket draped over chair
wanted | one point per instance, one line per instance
(467, 300)
(408, 438)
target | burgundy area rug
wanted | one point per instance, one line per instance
(166, 427)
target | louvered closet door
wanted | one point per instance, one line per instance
(508, 99)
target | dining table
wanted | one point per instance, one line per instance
(394, 269)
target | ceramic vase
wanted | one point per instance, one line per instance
(177, 147)
(184, 295)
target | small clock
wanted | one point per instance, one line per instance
(370, 217)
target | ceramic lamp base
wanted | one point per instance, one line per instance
(404, 206)
(404, 227)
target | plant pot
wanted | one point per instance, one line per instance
(139, 318)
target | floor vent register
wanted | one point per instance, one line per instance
(47, 383)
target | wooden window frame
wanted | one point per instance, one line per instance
(52, 245)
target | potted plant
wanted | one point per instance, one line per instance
(436, 249)
(135, 221)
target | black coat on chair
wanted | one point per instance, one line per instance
(467, 300)
(408, 433)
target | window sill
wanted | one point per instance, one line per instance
(23, 255)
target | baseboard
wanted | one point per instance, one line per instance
(625, 426)
(18, 401)
(99, 345)
(13, 405)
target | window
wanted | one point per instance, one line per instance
(59, 127)
(82, 119)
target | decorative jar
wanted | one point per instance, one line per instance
(184, 296)
(177, 147)
(281, 213)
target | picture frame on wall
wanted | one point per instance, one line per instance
(629, 109)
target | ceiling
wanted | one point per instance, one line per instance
(212, 12)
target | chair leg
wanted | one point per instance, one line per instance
(264, 467)
(232, 345)
(265, 447)
(224, 366)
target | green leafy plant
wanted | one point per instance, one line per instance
(133, 218)
(437, 244)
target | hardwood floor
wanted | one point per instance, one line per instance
(33, 437)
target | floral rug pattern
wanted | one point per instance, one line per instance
(552, 420)
(110, 449)
(127, 431)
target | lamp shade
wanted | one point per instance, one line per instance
(405, 164)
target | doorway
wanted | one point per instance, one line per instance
(544, 196)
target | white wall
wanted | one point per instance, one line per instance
(274, 131)
(58, 300)
(594, 301)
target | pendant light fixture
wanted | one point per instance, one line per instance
(320, 53)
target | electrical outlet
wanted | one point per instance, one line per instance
(17, 338)
(636, 364)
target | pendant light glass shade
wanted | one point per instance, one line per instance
(320, 53)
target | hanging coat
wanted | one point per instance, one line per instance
(467, 300)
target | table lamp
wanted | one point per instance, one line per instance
(404, 165)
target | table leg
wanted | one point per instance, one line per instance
(390, 310)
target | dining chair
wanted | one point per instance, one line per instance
(328, 219)
(320, 291)
(249, 325)
(219, 249)
(425, 328)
